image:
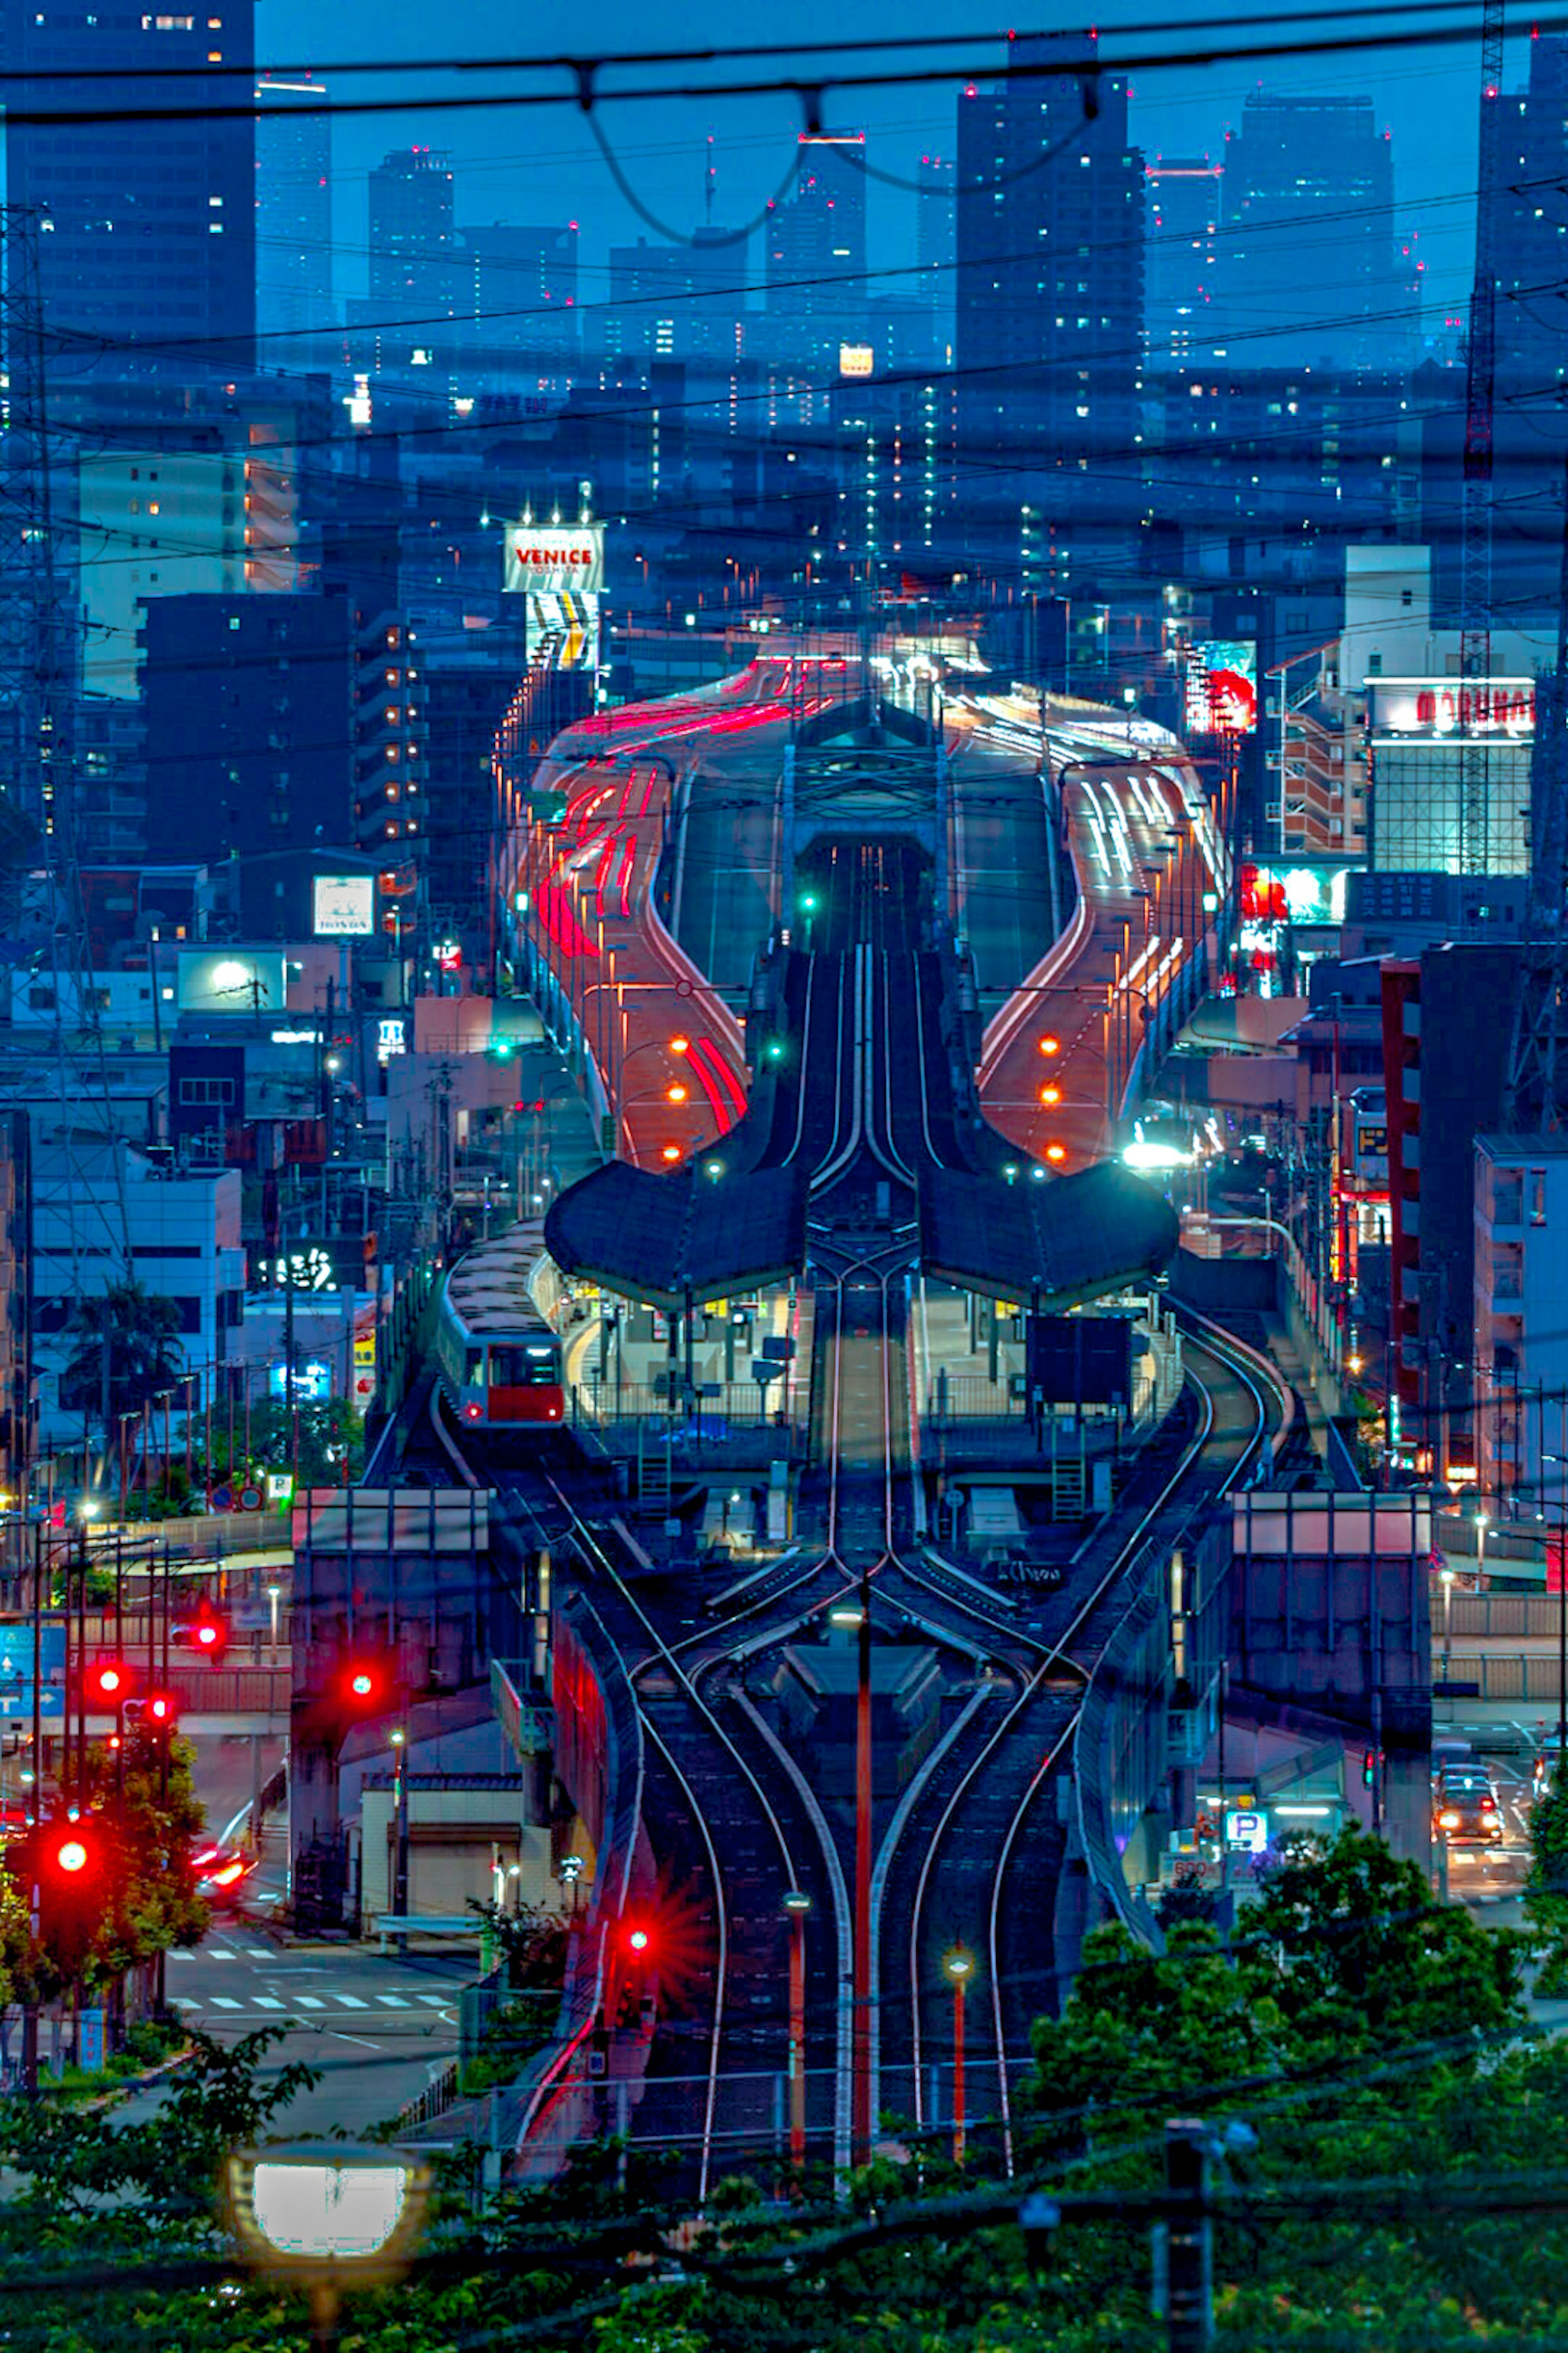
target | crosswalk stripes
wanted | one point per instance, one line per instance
(224, 2002)
(393, 2000)
(350, 2002)
(267, 2001)
(309, 2001)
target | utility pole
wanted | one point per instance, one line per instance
(1189, 2240)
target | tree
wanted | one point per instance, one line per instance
(1546, 1890)
(124, 1349)
(148, 1813)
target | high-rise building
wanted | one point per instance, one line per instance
(814, 242)
(677, 301)
(1184, 219)
(523, 282)
(293, 209)
(149, 225)
(413, 243)
(1529, 237)
(936, 234)
(1307, 257)
(1049, 290)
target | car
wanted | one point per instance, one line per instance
(220, 1873)
(1464, 1807)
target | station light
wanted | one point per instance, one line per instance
(365, 1684)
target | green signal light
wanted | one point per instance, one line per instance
(775, 1050)
(808, 902)
(501, 1049)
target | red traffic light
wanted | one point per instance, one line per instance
(209, 1634)
(162, 1709)
(638, 1941)
(68, 1853)
(108, 1683)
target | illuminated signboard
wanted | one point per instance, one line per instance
(560, 571)
(1222, 687)
(312, 1381)
(344, 906)
(231, 980)
(1289, 893)
(856, 360)
(1432, 709)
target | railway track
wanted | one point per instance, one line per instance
(974, 1852)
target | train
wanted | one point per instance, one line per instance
(498, 1358)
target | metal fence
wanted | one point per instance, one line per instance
(1529, 1676)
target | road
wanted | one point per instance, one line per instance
(377, 2028)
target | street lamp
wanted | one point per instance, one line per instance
(958, 1966)
(1447, 1577)
(274, 1593)
(327, 2217)
(796, 1906)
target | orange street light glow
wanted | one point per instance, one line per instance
(671, 1151)
(1055, 1152)
(680, 1045)
(1050, 1094)
(1051, 1045)
(675, 1094)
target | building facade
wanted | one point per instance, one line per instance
(1308, 252)
(293, 211)
(150, 223)
(1050, 253)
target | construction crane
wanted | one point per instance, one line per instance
(1476, 514)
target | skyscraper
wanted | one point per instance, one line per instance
(293, 208)
(935, 235)
(1050, 284)
(814, 242)
(523, 282)
(149, 225)
(1183, 218)
(413, 244)
(1307, 257)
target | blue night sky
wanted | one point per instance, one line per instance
(542, 165)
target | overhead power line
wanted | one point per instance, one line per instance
(583, 79)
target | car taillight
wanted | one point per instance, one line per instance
(228, 1874)
(472, 1412)
(1488, 1806)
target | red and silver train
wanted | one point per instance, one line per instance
(499, 1361)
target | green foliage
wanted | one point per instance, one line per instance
(147, 1806)
(513, 2034)
(530, 1943)
(1368, 2035)
(124, 1349)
